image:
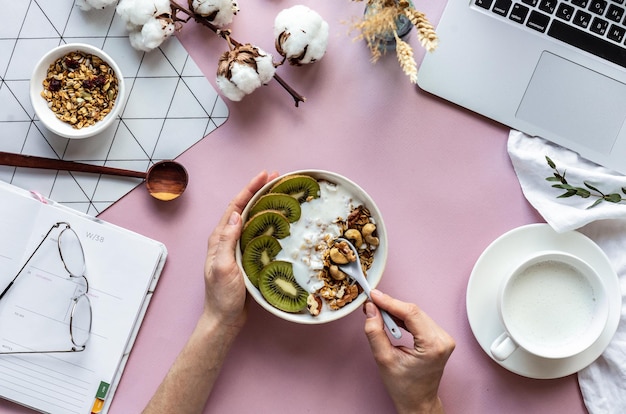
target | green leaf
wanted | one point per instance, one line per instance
(568, 193)
(577, 190)
(583, 193)
(560, 177)
(570, 190)
(595, 203)
(592, 187)
(613, 198)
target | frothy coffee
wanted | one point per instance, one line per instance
(550, 304)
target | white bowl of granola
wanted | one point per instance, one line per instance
(77, 90)
(288, 250)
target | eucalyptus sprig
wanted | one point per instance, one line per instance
(584, 192)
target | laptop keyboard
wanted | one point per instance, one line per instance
(595, 26)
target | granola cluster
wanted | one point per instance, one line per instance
(339, 289)
(80, 89)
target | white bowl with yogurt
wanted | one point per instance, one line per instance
(338, 196)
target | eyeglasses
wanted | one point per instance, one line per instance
(73, 259)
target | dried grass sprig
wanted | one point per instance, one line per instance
(406, 59)
(380, 21)
(425, 30)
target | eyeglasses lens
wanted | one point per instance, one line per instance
(73, 259)
(80, 323)
(71, 252)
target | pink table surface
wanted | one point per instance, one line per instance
(441, 177)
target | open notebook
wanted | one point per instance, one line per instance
(122, 268)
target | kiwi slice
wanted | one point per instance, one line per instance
(258, 253)
(289, 206)
(279, 287)
(301, 187)
(268, 223)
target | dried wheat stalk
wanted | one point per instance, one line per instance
(405, 57)
(380, 20)
(425, 30)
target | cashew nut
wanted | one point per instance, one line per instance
(337, 256)
(367, 232)
(355, 236)
(337, 274)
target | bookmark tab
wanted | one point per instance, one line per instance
(101, 394)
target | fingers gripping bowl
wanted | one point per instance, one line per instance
(288, 250)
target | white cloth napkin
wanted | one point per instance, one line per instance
(603, 383)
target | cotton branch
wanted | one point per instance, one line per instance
(225, 34)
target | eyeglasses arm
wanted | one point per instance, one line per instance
(74, 349)
(30, 257)
(7, 288)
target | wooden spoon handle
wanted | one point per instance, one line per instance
(31, 161)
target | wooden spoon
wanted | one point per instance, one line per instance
(165, 180)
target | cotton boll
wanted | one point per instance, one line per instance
(245, 77)
(162, 7)
(243, 70)
(133, 27)
(139, 12)
(86, 5)
(229, 89)
(151, 34)
(218, 12)
(301, 35)
(148, 22)
(135, 12)
(265, 67)
(136, 40)
(155, 31)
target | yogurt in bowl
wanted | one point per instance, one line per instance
(292, 246)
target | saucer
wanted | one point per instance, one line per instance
(492, 266)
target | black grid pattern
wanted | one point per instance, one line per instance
(170, 104)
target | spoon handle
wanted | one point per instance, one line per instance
(391, 324)
(355, 271)
(31, 161)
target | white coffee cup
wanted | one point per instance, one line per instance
(552, 305)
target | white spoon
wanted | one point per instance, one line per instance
(355, 271)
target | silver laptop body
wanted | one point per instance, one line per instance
(498, 63)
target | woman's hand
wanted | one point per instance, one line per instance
(189, 382)
(411, 375)
(225, 291)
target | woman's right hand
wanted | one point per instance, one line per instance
(411, 375)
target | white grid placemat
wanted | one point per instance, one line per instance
(170, 104)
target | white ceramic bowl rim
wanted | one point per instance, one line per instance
(40, 105)
(374, 274)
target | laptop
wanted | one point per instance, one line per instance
(550, 68)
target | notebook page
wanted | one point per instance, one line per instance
(15, 230)
(120, 267)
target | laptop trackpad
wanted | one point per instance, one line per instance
(575, 103)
